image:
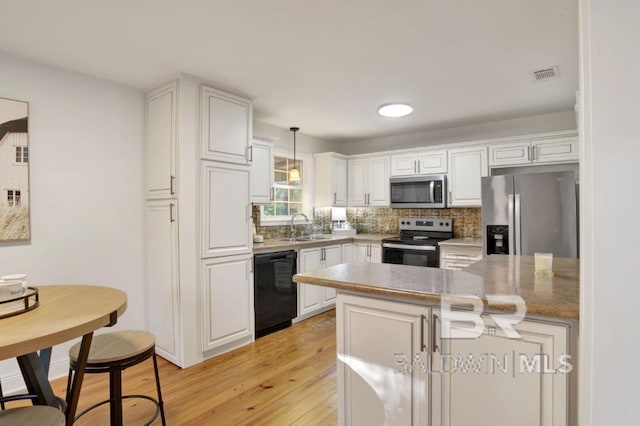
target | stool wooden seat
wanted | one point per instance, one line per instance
(38, 415)
(111, 353)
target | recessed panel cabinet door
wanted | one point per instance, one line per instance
(378, 176)
(309, 296)
(332, 257)
(227, 301)
(226, 215)
(226, 129)
(161, 137)
(162, 278)
(466, 167)
(261, 172)
(372, 336)
(498, 380)
(357, 182)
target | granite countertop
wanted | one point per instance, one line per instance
(555, 297)
(464, 242)
(276, 245)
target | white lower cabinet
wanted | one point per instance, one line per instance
(395, 367)
(227, 303)
(458, 257)
(313, 299)
(372, 335)
(347, 253)
(367, 252)
(497, 380)
(163, 273)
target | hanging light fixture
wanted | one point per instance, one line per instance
(294, 173)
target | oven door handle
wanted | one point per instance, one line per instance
(406, 247)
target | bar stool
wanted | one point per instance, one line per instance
(38, 415)
(111, 353)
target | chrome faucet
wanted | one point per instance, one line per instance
(293, 229)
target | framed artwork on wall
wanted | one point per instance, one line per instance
(14, 170)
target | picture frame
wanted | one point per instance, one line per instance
(14, 171)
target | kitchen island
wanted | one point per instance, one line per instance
(431, 346)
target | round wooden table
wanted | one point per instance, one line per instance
(65, 313)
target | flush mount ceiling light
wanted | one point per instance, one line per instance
(395, 110)
(294, 173)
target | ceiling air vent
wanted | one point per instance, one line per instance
(545, 74)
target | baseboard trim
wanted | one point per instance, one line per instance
(13, 383)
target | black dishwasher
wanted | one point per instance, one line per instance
(275, 294)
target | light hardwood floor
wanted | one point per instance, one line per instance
(285, 378)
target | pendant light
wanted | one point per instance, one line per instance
(294, 173)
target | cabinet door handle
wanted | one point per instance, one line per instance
(335, 198)
(423, 319)
(249, 154)
(172, 181)
(450, 200)
(171, 218)
(415, 166)
(368, 199)
(419, 167)
(272, 193)
(434, 341)
(535, 152)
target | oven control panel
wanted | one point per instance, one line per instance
(425, 224)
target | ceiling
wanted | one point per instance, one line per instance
(324, 66)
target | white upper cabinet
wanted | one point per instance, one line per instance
(261, 172)
(226, 126)
(226, 213)
(369, 181)
(330, 180)
(161, 141)
(404, 164)
(560, 149)
(557, 148)
(466, 167)
(426, 162)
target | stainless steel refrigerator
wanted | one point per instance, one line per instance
(530, 212)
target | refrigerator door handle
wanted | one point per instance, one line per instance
(512, 228)
(518, 223)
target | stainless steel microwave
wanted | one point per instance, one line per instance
(419, 192)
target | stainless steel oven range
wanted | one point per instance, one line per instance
(418, 241)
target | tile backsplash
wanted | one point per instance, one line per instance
(467, 222)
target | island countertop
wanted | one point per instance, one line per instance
(555, 297)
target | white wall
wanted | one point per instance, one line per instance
(565, 120)
(283, 139)
(610, 283)
(86, 141)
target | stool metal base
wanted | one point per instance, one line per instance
(115, 369)
(106, 401)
